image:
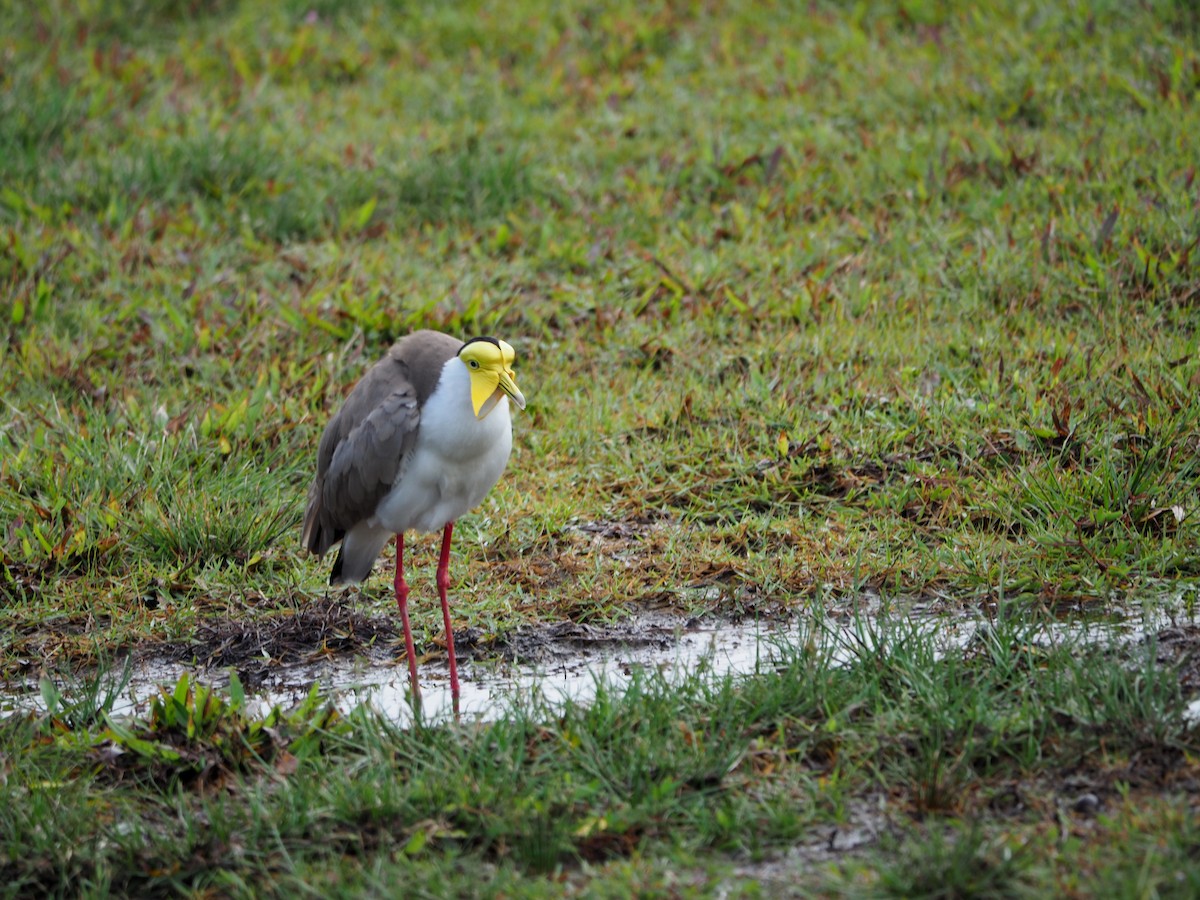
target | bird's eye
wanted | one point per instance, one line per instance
(474, 364)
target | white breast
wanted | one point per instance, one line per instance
(456, 461)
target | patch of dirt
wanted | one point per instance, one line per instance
(1179, 645)
(567, 640)
(866, 820)
(325, 628)
(333, 627)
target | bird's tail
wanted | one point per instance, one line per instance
(360, 548)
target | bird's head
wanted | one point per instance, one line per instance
(489, 362)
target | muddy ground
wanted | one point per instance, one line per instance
(333, 627)
(331, 641)
(334, 642)
(332, 638)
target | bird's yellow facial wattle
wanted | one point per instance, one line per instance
(489, 363)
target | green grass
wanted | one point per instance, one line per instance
(808, 301)
(945, 756)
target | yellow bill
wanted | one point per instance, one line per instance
(494, 378)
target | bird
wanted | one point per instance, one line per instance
(420, 440)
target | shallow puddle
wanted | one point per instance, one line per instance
(567, 661)
(489, 687)
(561, 662)
(569, 664)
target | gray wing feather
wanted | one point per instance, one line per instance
(360, 454)
(365, 464)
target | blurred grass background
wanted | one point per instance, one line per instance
(809, 299)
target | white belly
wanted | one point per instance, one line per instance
(456, 461)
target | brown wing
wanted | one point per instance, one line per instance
(364, 444)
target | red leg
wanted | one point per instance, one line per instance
(443, 583)
(402, 602)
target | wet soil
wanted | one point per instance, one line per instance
(358, 658)
(323, 629)
(334, 628)
(354, 655)
(1179, 647)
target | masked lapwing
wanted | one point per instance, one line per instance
(420, 440)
